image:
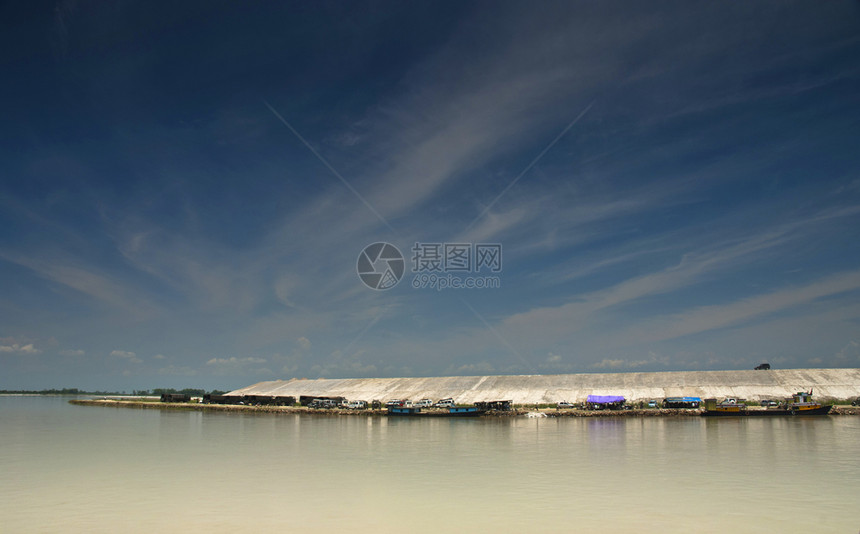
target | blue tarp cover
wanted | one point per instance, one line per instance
(604, 399)
(683, 399)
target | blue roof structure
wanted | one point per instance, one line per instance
(604, 399)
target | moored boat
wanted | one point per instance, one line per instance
(801, 404)
(729, 406)
(455, 411)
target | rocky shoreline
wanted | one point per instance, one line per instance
(290, 410)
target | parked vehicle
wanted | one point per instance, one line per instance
(424, 403)
(565, 405)
(323, 403)
(445, 403)
(356, 405)
(652, 404)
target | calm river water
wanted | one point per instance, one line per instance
(67, 468)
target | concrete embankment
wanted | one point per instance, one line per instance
(827, 385)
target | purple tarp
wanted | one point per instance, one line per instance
(604, 399)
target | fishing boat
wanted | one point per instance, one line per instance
(729, 406)
(801, 404)
(454, 411)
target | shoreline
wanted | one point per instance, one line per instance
(304, 410)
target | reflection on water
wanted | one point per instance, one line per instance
(85, 469)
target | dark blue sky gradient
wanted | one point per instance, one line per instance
(160, 226)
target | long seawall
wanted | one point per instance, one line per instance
(827, 384)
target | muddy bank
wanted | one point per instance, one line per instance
(549, 412)
(195, 406)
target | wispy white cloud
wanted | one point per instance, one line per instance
(706, 259)
(472, 369)
(125, 355)
(86, 280)
(608, 363)
(653, 360)
(719, 316)
(15, 348)
(849, 354)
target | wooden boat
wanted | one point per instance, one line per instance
(457, 411)
(801, 404)
(729, 406)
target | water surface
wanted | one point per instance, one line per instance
(66, 468)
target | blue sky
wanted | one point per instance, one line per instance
(185, 189)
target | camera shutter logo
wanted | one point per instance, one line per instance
(380, 266)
